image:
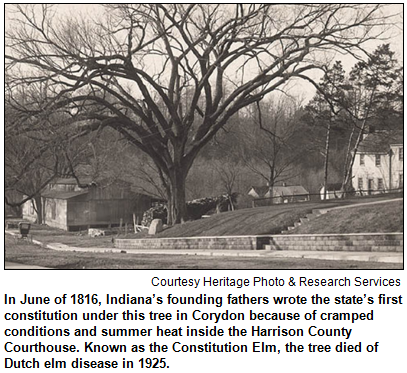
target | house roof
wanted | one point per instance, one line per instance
(292, 190)
(260, 190)
(72, 181)
(88, 181)
(150, 196)
(57, 194)
(380, 141)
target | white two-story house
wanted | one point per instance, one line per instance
(378, 165)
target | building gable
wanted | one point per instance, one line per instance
(380, 142)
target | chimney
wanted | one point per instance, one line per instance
(369, 129)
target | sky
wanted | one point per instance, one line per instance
(297, 87)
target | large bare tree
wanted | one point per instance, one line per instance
(169, 76)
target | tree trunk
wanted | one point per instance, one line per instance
(38, 208)
(231, 204)
(177, 211)
(346, 169)
(328, 135)
(271, 185)
(348, 176)
(348, 173)
(169, 205)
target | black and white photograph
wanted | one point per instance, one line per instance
(203, 136)
(203, 187)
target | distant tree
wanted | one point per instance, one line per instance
(113, 157)
(370, 96)
(269, 150)
(227, 170)
(326, 106)
(28, 168)
(31, 163)
(39, 149)
(373, 91)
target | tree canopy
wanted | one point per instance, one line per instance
(368, 98)
(168, 77)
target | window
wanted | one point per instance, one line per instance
(378, 159)
(362, 159)
(360, 183)
(401, 154)
(380, 185)
(401, 180)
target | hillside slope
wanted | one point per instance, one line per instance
(274, 219)
(257, 221)
(380, 218)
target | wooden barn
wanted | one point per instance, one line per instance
(92, 204)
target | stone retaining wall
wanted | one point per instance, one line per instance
(196, 243)
(385, 242)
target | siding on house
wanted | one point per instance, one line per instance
(333, 191)
(369, 171)
(55, 213)
(99, 212)
(397, 160)
(379, 162)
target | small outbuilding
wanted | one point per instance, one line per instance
(333, 191)
(71, 206)
(279, 194)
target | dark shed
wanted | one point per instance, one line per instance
(95, 204)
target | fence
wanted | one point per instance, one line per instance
(370, 192)
(259, 202)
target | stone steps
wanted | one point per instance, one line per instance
(339, 236)
(393, 249)
(359, 244)
(314, 214)
(337, 242)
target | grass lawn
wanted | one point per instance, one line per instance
(257, 221)
(381, 218)
(48, 235)
(28, 253)
(261, 220)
